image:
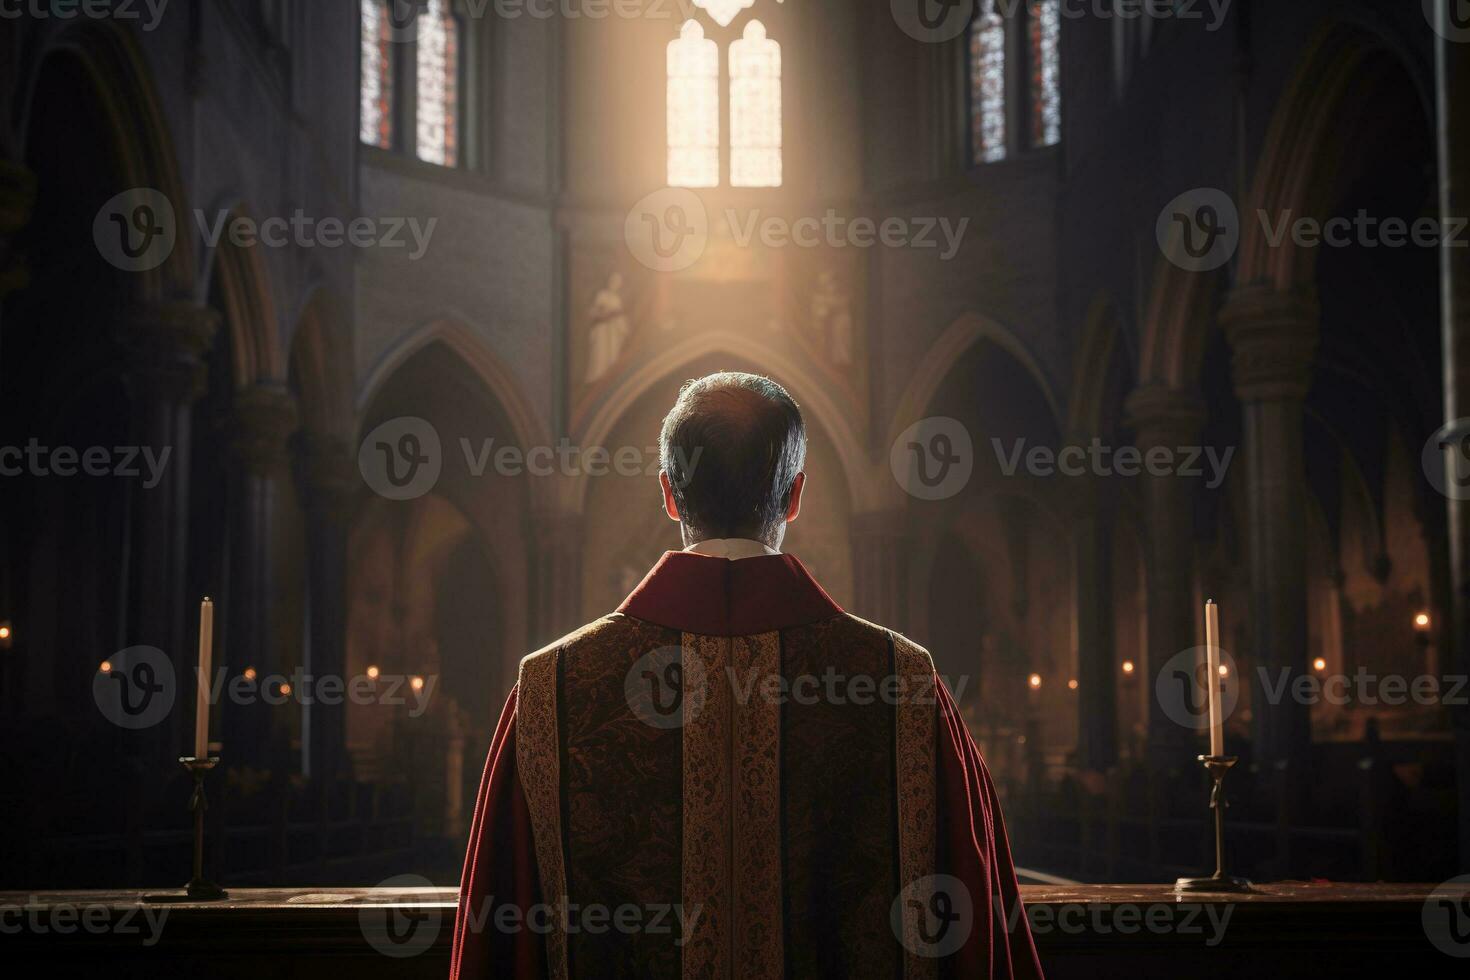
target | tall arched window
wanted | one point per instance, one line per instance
(696, 155)
(438, 84)
(376, 125)
(755, 109)
(693, 108)
(1014, 64)
(1045, 24)
(412, 79)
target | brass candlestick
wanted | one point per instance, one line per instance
(198, 889)
(1218, 766)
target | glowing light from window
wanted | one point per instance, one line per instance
(1046, 86)
(988, 87)
(376, 84)
(693, 109)
(438, 84)
(723, 11)
(755, 109)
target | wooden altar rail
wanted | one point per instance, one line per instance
(1282, 931)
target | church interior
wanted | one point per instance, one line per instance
(360, 317)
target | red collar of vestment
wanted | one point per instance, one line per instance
(718, 597)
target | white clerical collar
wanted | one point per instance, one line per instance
(732, 548)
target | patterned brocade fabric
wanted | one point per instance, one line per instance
(746, 806)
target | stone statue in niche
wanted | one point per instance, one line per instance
(832, 318)
(609, 328)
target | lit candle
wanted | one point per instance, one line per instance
(206, 655)
(1212, 677)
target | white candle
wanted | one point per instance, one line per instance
(1212, 677)
(206, 655)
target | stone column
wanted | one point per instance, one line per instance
(329, 480)
(165, 345)
(1273, 337)
(1161, 416)
(880, 553)
(1452, 76)
(261, 422)
(555, 540)
(1089, 524)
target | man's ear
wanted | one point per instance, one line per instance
(794, 508)
(670, 507)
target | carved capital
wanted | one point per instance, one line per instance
(1163, 416)
(1273, 338)
(166, 343)
(260, 426)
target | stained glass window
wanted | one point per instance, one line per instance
(755, 109)
(694, 108)
(376, 84)
(1046, 89)
(988, 85)
(438, 84)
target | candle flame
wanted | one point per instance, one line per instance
(1127, 666)
(372, 672)
(250, 673)
(417, 683)
(1422, 621)
(1319, 664)
(1072, 684)
(1034, 680)
(106, 667)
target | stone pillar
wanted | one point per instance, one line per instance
(1089, 524)
(880, 553)
(555, 540)
(261, 422)
(1161, 416)
(329, 480)
(165, 345)
(1273, 337)
(1452, 77)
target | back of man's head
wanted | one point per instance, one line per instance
(731, 447)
